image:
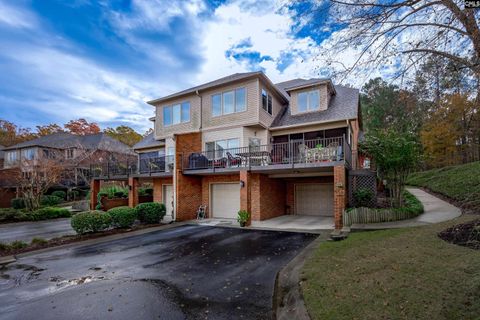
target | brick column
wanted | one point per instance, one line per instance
(94, 189)
(245, 193)
(339, 194)
(132, 192)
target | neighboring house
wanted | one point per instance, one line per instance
(7, 191)
(242, 142)
(73, 153)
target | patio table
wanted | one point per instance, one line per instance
(262, 157)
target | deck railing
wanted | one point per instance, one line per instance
(293, 153)
(120, 169)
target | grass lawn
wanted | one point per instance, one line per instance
(461, 183)
(394, 274)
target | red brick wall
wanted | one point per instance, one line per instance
(6, 196)
(270, 194)
(340, 188)
(291, 188)
(207, 180)
(188, 189)
(157, 187)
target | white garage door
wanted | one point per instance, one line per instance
(314, 199)
(225, 200)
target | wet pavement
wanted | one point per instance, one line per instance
(26, 231)
(187, 272)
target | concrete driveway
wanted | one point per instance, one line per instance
(187, 272)
(26, 231)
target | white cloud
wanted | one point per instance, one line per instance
(269, 31)
(16, 17)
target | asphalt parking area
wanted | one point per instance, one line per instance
(188, 272)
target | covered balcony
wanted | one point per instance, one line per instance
(294, 154)
(145, 167)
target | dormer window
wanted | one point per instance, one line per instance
(308, 100)
(69, 153)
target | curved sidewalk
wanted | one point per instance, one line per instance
(436, 210)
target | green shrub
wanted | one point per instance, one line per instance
(363, 197)
(49, 213)
(110, 191)
(18, 245)
(50, 200)
(61, 194)
(150, 212)
(122, 217)
(145, 192)
(4, 247)
(119, 194)
(17, 203)
(38, 241)
(242, 217)
(73, 194)
(91, 221)
(12, 215)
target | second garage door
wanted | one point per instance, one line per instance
(225, 200)
(314, 199)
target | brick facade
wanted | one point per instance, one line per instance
(158, 187)
(268, 197)
(340, 194)
(132, 192)
(188, 189)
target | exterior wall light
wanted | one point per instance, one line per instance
(242, 183)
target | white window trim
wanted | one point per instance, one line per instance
(234, 102)
(261, 101)
(309, 109)
(171, 106)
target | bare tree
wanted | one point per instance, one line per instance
(398, 33)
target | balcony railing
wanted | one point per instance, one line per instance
(315, 152)
(121, 169)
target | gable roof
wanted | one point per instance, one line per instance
(343, 105)
(216, 83)
(148, 142)
(64, 140)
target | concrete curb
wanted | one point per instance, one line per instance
(7, 260)
(101, 239)
(288, 300)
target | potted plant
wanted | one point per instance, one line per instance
(243, 217)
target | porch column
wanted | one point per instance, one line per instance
(339, 194)
(94, 189)
(132, 192)
(245, 193)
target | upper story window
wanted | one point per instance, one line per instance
(229, 102)
(49, 154)
(267, 102)
(309, 101)
(11, 157)
(28, 154)
(178, 113)
(69, 153)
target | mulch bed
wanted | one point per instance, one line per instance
(74, 238)
(466, 234)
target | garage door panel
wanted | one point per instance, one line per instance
(225, 200)
(314, 199)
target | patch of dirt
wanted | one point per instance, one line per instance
(74, 238)
(466, 234)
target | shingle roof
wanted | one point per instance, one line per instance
(63, 140)
(343, 105)
(214, 83)
(148, 142)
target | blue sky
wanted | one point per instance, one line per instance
(101, 60)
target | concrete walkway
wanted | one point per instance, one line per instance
(296, 223)
(26, 231)
(436, 210)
